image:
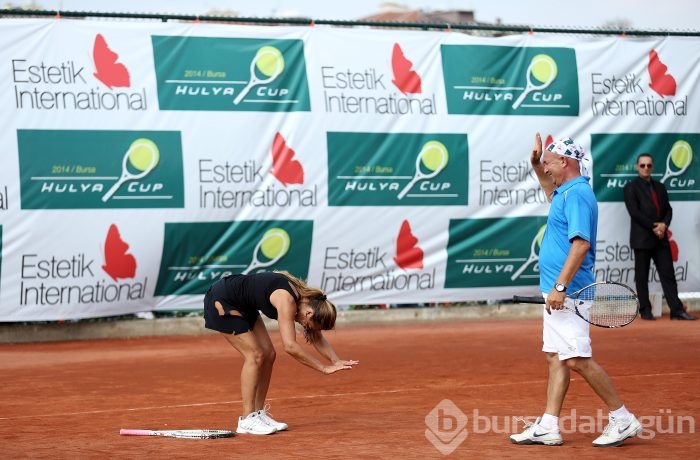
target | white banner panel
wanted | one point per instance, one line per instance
(143, 161)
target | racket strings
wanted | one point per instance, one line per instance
(611, 305)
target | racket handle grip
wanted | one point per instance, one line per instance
(132, 432)
(528, 299)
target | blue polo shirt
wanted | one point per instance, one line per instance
(573, 213)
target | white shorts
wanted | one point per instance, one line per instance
(565, 333)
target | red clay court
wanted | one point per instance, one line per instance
(69, 399)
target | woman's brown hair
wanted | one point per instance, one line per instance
(324, 312)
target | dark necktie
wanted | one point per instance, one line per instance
(655, 199)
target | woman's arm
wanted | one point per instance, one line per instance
(325, 349)
(286, 312)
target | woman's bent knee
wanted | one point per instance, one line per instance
(255, 357)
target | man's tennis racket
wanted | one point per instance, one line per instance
(604, 304)
(189, 434)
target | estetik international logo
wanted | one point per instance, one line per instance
(68, 81)
(376, 89)
(649, 90)
(242, 180)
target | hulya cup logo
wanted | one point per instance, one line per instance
(674, 163)
(76, 169)
(543, 70)
(142, 157)
(272, 247)
(406, 79)
(408, 254)
(118, 263)
(230, 74)
(661, 82)
(446, 427)
(195, 254)
(678, 160)
(107, 69)
(433, 157)
(506, 80)
(393, 169)
(268, 62)
(489, 252)
(285, 167)
(534, 256)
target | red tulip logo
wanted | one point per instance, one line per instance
(285, 167)
(118, 263)
(408, 254)
(107, 69)
(661, 82)
(674, 246)
(405, 78)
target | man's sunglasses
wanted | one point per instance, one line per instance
(646, 165)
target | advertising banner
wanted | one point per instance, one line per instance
(143, 161)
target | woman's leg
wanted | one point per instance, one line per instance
(253, 364)
(268, 353)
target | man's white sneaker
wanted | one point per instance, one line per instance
(267, 418)
(617, 431)
(253, 424)
(536, 434)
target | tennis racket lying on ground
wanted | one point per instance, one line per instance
(190, 434)
(611, 304)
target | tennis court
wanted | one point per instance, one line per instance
(69, 399)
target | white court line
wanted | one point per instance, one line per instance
(333, 395)
(176, 406)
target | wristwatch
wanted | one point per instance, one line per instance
(560, 287)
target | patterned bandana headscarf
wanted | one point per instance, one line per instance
(568, 148)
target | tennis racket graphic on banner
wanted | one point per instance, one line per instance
(544, 70)
(534, 252)
(433, 156)
(269, 62)
(143, 155)
(604, 304)
(681, 156)
(188, 434)
(273, 245)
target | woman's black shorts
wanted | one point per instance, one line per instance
(228, 323)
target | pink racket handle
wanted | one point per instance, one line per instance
(129, 432)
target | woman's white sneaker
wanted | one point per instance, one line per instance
(254, 424)
(266, 416)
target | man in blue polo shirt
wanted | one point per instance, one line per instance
(566, 260)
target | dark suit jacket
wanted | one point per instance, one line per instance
(643, 212)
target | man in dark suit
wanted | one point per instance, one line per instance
(648, 205)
